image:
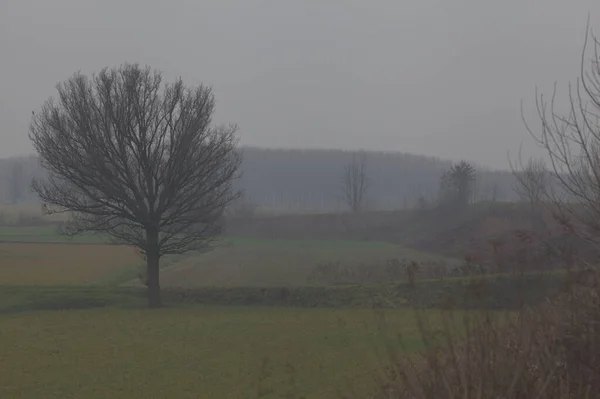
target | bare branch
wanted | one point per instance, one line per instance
(571, 139)
(355, 183)
(137, 160)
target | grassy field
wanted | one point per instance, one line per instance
(197, 352)
(275, 263)
(39, 255)
(103, 343)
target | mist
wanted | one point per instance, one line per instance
(319, 200)
(426, 77)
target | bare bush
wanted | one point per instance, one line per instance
(544, 352)
(571, 140)
(393, 271)
(532, 186)
(549, 351)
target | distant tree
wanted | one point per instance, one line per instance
(355, 183)
(137, 160)
(16, 183)
(456, 185)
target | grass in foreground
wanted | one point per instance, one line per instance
(195, 352)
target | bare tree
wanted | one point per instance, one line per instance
(572, 141)
(355, 183)
(138, 160)
(531, 180)
(532, 185)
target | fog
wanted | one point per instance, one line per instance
(430, 77)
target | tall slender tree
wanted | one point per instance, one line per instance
(355, 183)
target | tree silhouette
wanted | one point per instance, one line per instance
(355, 183)
(138, 160)
(456, 185)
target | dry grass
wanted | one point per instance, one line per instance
(55, 264)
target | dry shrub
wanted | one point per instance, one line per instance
(393, 271)
(551, 351)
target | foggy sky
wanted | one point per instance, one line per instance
(434, 77)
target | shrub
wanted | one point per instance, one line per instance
(548, 351)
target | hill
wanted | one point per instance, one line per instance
(308, 180)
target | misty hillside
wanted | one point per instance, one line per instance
(308, 180)
(311, 179)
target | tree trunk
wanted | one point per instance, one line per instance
(152, 264)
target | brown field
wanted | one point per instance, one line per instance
(52, 264)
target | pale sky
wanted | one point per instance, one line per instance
(435, 77)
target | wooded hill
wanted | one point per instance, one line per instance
(309, 180)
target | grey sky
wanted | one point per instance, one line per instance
(435, 77)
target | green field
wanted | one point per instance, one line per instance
(197, 352)
(112, 347)
(70, 329)
(230, 262)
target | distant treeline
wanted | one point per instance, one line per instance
(309, 180)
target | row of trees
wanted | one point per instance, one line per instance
(457, 185)
(300, 180)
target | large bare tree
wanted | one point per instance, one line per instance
(355, 183)
(135, 158)
(571, 139)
